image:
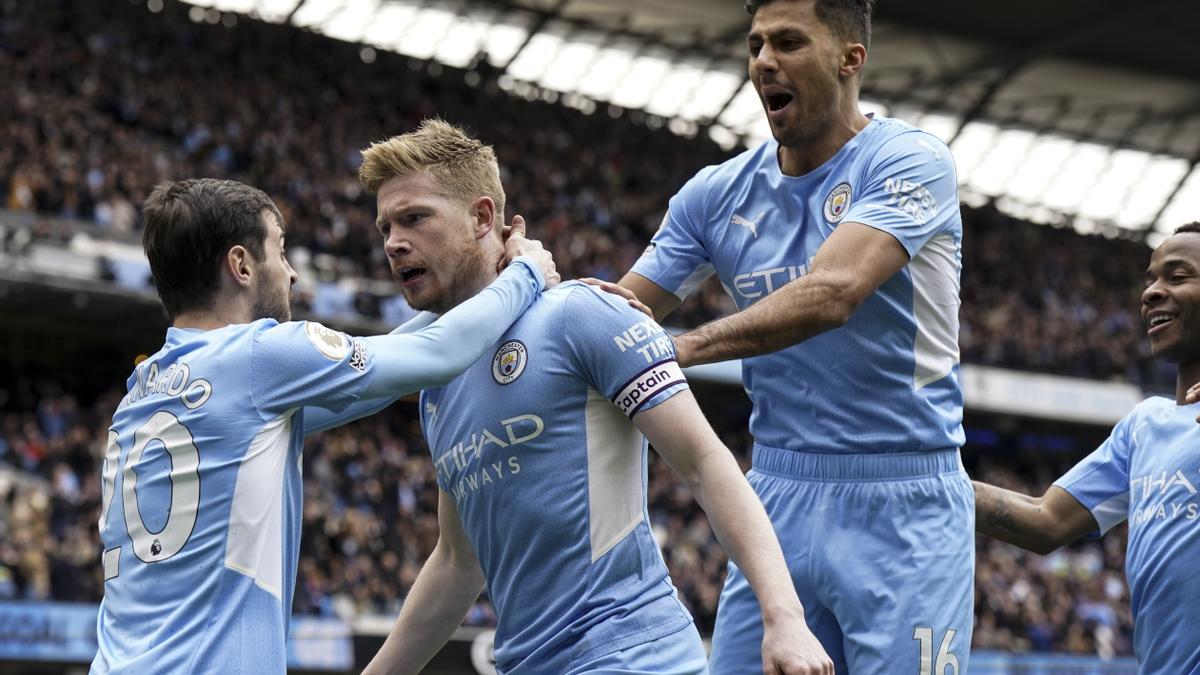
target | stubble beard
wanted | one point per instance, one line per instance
(466, 278)
(272, 304)
(804, 129)
(811, 120)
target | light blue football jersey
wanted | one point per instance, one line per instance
(548, 473)
(201, 493)
(200, 517)
(1148, 472)
(887, 381)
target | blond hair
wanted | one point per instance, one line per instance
(462, 167)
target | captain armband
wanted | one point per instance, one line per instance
(646, 384)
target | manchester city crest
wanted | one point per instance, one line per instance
(509, 362)
(838, 202)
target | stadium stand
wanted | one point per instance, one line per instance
(98, 122)
(106, 101)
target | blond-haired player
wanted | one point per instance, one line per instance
(540, 454)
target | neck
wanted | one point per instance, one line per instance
(1186, 378)
(800, 159)
(486, 276)
(219, 316)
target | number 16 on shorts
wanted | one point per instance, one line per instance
(946, 662)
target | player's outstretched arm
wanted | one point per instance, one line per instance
(681, 434)
(443, 593)
(321, 419)
(438, 349)
(659, 300)
(427, 353)
(1038, 524)
(434, 355)
(852, 263)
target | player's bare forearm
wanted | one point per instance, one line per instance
(796, 312)
(1007, 515)
(678, 430)
(744, 531)
(1038, 524)
(449, 583)
(440, 598)
(659, 300)
(851, 265)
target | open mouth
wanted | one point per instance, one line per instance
(777, 101)
(410, 274)
(1157, 321)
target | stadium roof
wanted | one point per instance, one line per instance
(1080, 112)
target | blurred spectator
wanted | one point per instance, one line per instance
(1051, 300)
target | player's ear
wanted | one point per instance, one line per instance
(854, 57)
(483, 212)
(238, 264)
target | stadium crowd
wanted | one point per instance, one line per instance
(370, 521)
(106, 102)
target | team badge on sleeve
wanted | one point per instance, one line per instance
(509, 361)
(332, 344)
(838, 202)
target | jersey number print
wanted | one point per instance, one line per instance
(176, 439)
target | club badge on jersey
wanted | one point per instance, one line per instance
(509, 362)
(838, 202)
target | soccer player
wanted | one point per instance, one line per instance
(839, 241)
(540, 455)
(201, 488)
(1147, 472)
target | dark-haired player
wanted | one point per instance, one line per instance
(839, 240)
(201, 498)
(1147, 472)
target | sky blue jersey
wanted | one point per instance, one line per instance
(548, 473)
(200, 517)
(201, 493)
(887, 381)
(1148, 472)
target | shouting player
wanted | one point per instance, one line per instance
(839, 240)
(1147, 472)
(201, 499)
(541, 460)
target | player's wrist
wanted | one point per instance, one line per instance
(685, 350)
(781, 612)
(533, 270)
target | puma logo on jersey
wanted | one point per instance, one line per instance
(431, 412)
(751, 225)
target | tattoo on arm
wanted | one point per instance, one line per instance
(997, 512)
(1016, 518)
